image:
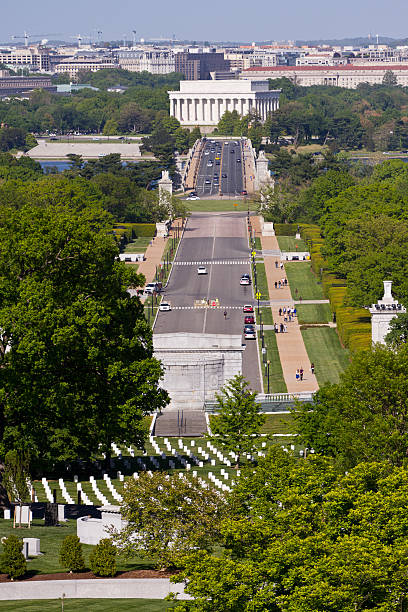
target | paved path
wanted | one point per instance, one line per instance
(292, 350)
(101, 588)
(154, 254)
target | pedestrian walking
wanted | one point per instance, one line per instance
(294, 312)
(279, 284)
(276, 285)
(289, 318)
(281, 328)
(284, 309)
(281, 266)
(276, 263)
(285, 318)
(297, 376)
(286, 281)
(301, 374)
(312, 367)
(285, 329)
(276, 328)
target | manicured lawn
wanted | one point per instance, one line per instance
(325, 351)
(276, 381)
(266, 312)
(138, 245)
(258, 245)
(279, 424)
(289, 243)
(301, 277)
(219, 205)
(262, 283)
(50, 543)
(314, 313)
(87, 605)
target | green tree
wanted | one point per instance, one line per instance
(168, 517)
(195, 134)
(102, 559)
(238, 421)
(111, 128)
(16, 478)
(162, 144)
(70, 554)
(297, 536)
(365, 416)
(390, 79)
(398, 333)
(81, 351)
(12, 561)
(228, 123)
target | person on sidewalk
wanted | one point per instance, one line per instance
(301, 374)
(276, 328)
(276, 285)
(281, 266)
(281, 328)
(276, 264)
(312, 368)
(280, 312)
(279, 284)
(297, 376)
(285, 329)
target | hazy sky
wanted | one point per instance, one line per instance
(205, 19)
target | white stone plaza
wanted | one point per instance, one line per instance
(205, 102)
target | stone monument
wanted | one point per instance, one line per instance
(382, 313)
(196, 366)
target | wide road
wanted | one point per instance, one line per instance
(213, 240)
(220, 170)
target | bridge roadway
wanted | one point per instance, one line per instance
(210, 180)
(208, 237)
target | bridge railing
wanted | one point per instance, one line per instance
(273, 402)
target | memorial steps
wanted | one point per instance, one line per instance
(186, 423)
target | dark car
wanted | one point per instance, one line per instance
(224, 175)
(249, 319)
(244, 192)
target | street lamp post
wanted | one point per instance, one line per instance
(268, 363)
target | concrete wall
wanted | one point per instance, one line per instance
(289, 255)
(108, 588)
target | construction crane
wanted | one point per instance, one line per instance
(26, 36)
(134, 37)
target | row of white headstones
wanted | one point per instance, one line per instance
(197, 458)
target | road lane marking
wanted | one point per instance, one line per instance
(211, 269)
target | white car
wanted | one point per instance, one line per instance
(150, 288)
(206, 152)
(164, 306)
(245, 281)
(192, 198)
(201, 270)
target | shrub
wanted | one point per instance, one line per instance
(144, 229)
(12, 560)
(285, 229)
(70, 555)
(103, 558)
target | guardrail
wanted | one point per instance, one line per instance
(273, 402)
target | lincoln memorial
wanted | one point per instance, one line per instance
(205, 102)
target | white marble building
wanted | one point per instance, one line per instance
(205, 102)
(382, 313)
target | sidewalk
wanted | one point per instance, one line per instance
(292, 350)
(154, 254)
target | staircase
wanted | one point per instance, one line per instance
(181, 423)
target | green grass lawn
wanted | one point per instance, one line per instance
(314, 313)
(289, 243)
(138, 245)
(87, 605)
(301, 277)
(50, 543)
(266, 312)
(262, 282)
(276, 381)
(219, 205)
(258, 245)
(325, 351)
(279, 424)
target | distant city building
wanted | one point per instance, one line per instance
(198, 66)
(348, 76)
(73, 66)
(205, 102)
(155, 62)
(13, 85)
(34, 58)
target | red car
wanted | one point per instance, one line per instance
(248, 308)
(249, 319)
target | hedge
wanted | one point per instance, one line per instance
(134, 230)
(353, 324)
(285, 229)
